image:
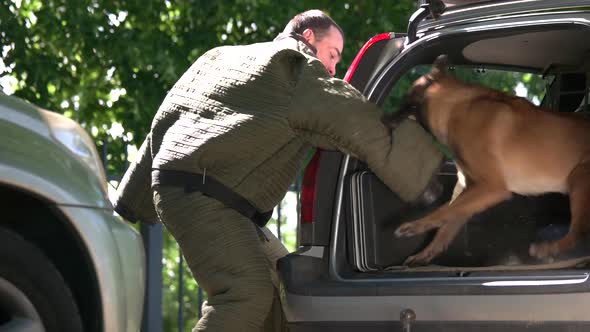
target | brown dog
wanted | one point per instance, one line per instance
(502, 145)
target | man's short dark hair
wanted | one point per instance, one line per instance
(314, 19)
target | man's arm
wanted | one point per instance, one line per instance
(331, 114)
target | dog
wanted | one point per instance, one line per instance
(502, 145)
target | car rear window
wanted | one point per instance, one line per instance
(532, 86)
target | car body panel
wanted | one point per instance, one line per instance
(428, 308)
(491, 10)
(116, 251)
(31, 160)
(131, 250)
(35, 165)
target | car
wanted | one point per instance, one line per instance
(348, 274)
(67, 262)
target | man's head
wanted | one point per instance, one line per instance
(321, 32)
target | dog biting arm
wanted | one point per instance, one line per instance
(331, 114)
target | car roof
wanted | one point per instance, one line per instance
(464, 11)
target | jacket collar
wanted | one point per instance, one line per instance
(302, 44)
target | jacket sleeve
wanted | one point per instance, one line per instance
(331, 114)
(134, 200)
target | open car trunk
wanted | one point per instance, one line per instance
(497, 239)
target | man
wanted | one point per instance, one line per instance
(227, 142)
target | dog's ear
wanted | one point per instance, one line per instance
(440, 66)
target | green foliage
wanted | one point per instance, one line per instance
(112, 61)
(534, 85)
(505, 81)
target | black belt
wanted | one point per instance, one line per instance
(193, 182)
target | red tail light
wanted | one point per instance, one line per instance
(308, 188)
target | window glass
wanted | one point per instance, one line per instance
(529, 85)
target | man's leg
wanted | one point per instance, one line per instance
(222, 249)
(273, 250)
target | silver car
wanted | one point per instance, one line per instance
(67, 263)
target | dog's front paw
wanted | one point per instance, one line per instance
(551, 249)
(422, 258)
(414, 228)
(408, 229)
(544, 250)
(433, 250)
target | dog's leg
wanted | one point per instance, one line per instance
(579, 194)
(449, 219)
(473, 199)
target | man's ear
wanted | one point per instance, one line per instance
(309, 36)
(440, 66)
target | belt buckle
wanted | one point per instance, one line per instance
(192, 187)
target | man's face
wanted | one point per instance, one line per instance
(329, 47)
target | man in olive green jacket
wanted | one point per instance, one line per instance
(244, 117)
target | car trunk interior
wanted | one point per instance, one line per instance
(497, 240)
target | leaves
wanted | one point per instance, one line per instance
(77, 57)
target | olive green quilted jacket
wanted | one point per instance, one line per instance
(247, 115)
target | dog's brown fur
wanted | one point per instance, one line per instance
(502, 145)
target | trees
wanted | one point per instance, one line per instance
(108, 64)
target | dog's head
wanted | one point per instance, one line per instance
(414, 100)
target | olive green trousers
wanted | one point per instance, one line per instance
(230, 258)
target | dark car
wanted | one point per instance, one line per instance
(348, 273)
